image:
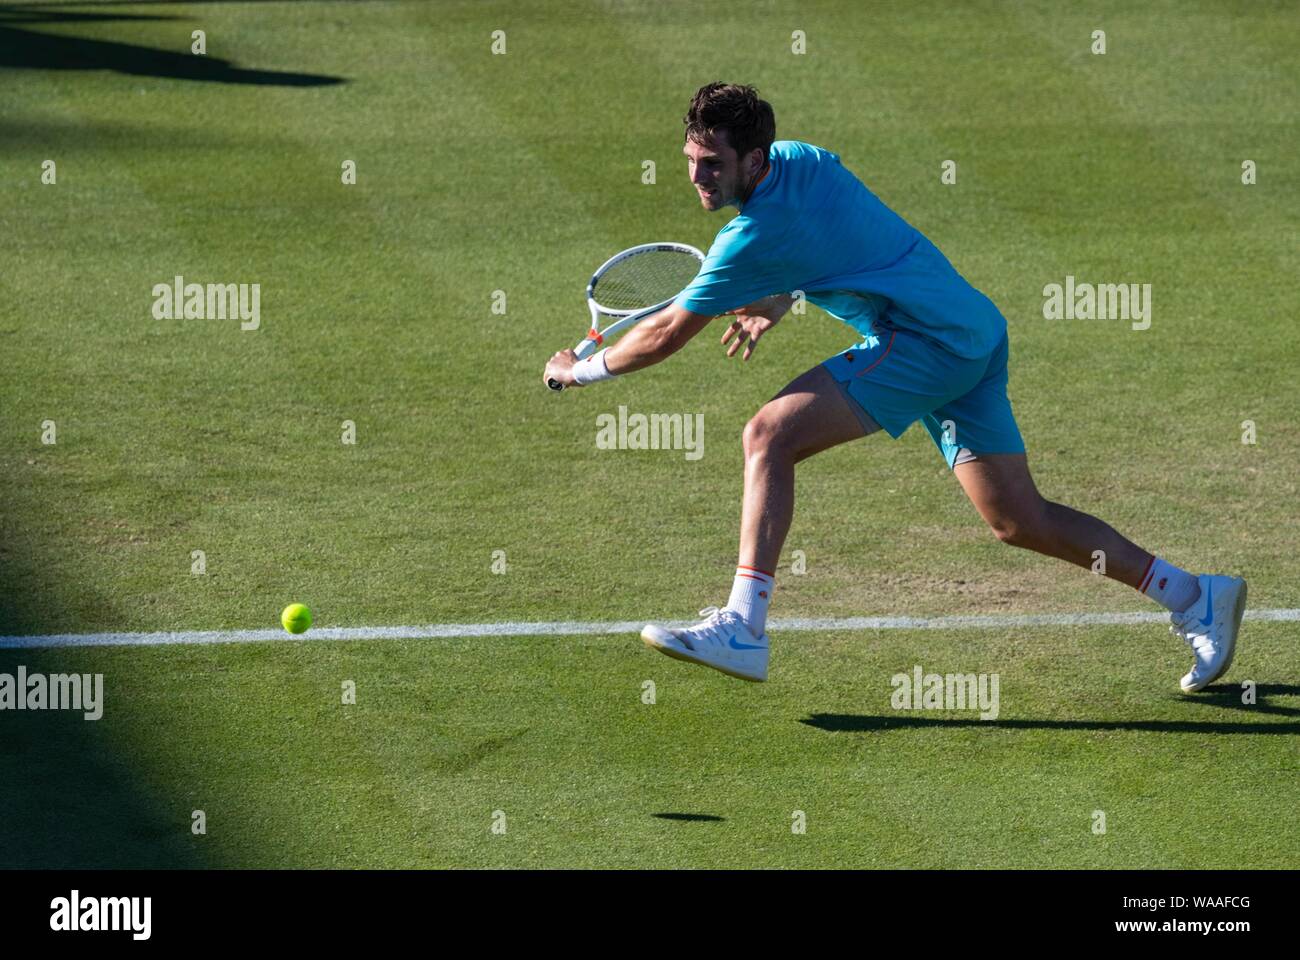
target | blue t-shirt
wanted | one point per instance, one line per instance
(811, 225)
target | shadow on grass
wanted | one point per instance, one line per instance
(854, 723)
(1228, 696)
(690, 817)
(23, 48)
(69, 796)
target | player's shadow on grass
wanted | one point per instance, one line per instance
(22, 48)
(690, 817)
(855, 723)
(1229, 696)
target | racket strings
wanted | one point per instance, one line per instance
(645, 279)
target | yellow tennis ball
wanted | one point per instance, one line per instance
(296, 618)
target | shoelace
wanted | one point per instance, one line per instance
(713, 627)
(1182, 627)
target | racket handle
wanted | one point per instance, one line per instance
(554, 384)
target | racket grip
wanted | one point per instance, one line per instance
(583, 350)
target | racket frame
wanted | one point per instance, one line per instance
(622, 318)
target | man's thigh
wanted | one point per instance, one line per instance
(979, 422)
(810, 415)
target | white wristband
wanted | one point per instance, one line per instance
(592, 369)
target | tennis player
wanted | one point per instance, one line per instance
(933, 350)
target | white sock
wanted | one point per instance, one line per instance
(1172, 588)
(751, 592)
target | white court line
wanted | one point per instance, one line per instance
(443, 631)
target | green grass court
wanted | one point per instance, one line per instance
(520, 173)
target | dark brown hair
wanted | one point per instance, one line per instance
(736, 110)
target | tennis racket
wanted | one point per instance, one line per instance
(630, 286)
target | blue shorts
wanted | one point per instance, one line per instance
(898, 377)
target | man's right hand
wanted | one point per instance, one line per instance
(753, 320)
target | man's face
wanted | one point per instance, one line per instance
(716, 172)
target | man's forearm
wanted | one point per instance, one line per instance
(655, 338)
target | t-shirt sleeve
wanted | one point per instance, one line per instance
(735, 272)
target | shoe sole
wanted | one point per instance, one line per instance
(684, 655)
(1238, 612)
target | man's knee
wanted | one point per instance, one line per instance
(762, 435)
(1021, 525)
(1012, 532)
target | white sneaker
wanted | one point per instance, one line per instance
(1210, 626)
(723, 642)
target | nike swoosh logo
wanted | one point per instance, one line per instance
(737, 645)
(1209, 606)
